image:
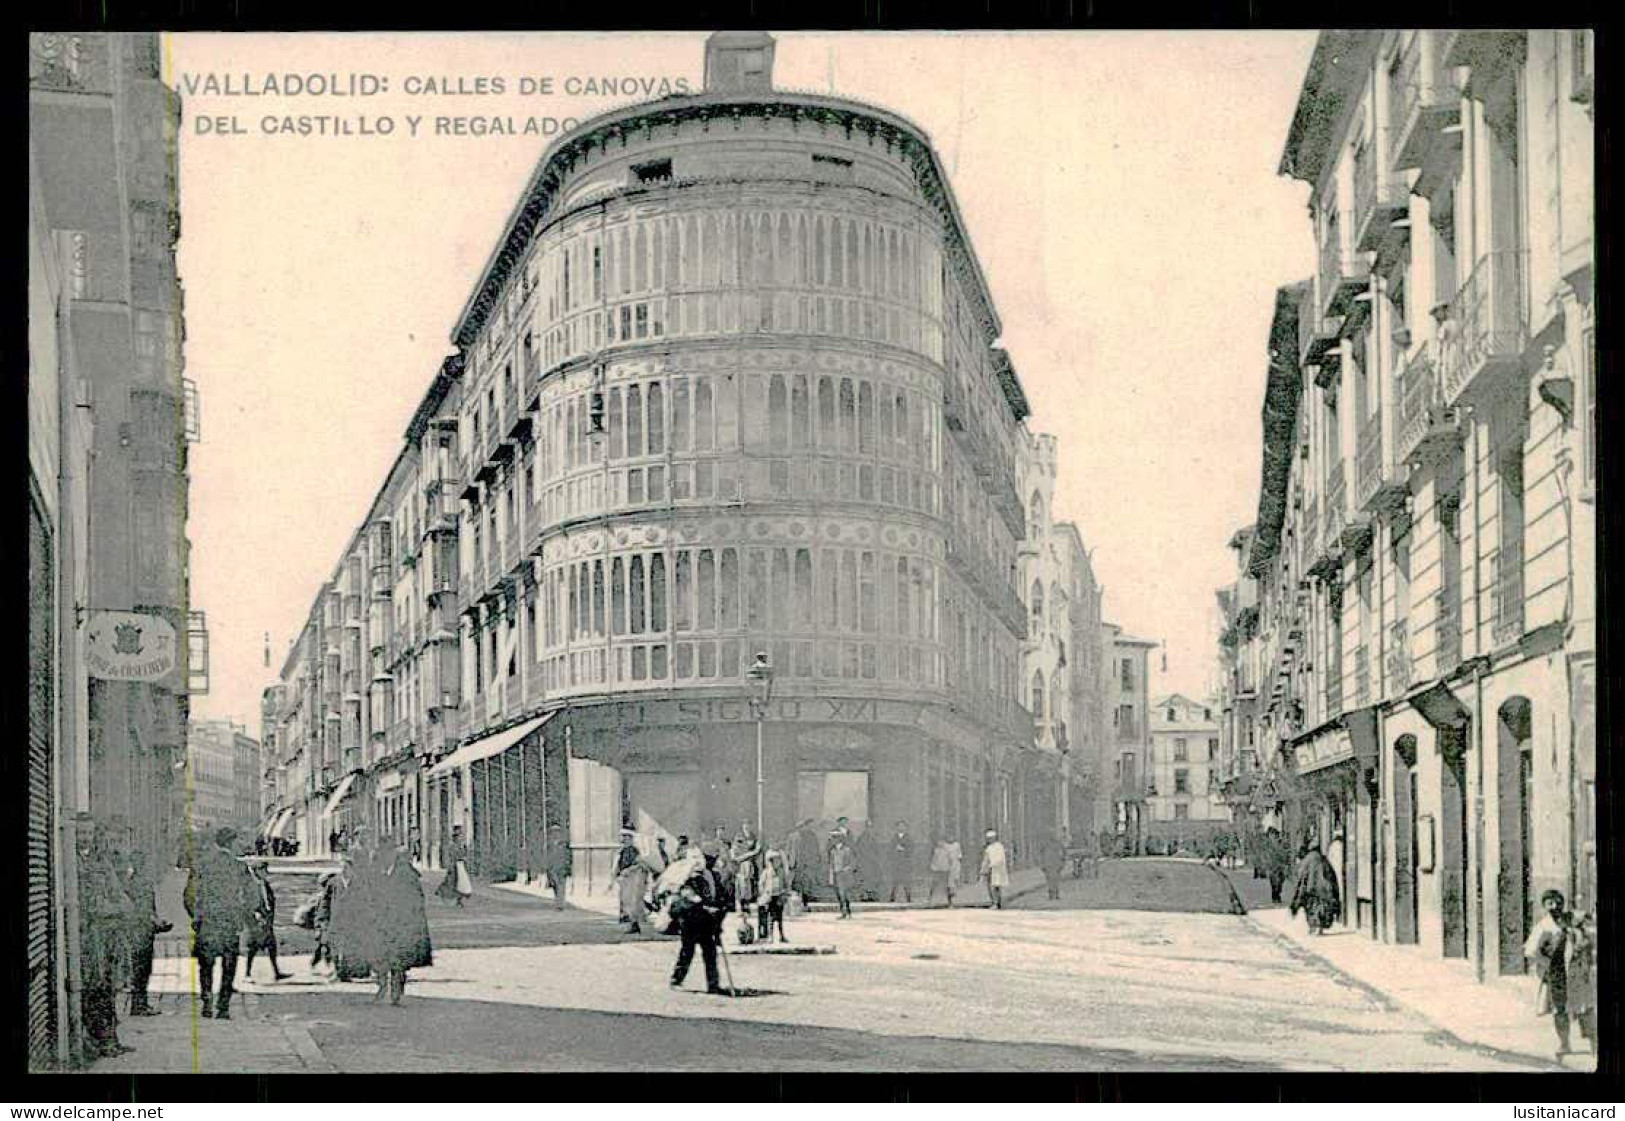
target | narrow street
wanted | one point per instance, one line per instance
(1144, 968)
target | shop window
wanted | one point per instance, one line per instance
(828, 796)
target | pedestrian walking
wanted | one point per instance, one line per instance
(632, 880)
(900, 864)
(1315, 892)
(104, 911)
(262, 922)
(1564, 953)
(1052, 859)
(458, 885)
(400, 936)
(219, 896)
(698, 907)
(322, 919)
(347, 925)
(773, 892)
(947, 865)
(143, 930)
(557, 862)
(842, 870)
(995, 868)
(1274, 860)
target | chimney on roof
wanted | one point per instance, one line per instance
(739, 62)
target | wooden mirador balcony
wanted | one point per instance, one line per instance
(1423, 99)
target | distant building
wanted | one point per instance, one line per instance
(1185, 798)
(223, 777)
(1121, 785)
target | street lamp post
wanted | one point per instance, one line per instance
(761, 673)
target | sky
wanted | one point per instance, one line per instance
(1119, 189)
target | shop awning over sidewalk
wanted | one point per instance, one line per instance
(279, 828)
(486, 747)
(341, 793)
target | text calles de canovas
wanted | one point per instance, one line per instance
(362, 84)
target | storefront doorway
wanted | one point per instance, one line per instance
(1405, 846)
(1516, 770)
(1453, 841)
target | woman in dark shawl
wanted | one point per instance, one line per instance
(347, 920)
(1315, 893)
(400, 922)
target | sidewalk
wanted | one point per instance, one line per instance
(1498, 1014)
(180, 1041)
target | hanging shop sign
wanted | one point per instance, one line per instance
(129, 646)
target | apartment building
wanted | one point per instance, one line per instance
(1424, 551)
(1083, 661)
(1120, 786)
(718, 392)
(1059, 589)
(222, 777)
(1185, 791)
(111, 636)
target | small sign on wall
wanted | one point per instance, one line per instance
(129, 646)
(1426, 850)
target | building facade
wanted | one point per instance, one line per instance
(1185, 799)
(1424, 552)
(223, 777)
(727, 386)
(105, 385)
(1120, 799)
(1084, 664)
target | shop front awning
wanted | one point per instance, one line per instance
(279, 828)
(486, 747)
(341, 792)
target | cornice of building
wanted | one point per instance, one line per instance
(537, 201)
(1336, 69)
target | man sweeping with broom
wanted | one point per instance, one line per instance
(698, 908)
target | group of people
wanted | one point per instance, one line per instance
(371, 919)
(118, 926)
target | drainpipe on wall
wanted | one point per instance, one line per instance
(1478, 712)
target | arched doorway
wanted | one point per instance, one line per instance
(1405, 846)
(1515, 811)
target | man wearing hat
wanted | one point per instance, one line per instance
(262, 922)
(843, 868)
(632, 877)
(104, 908)
(558, 863)
(698, 909)
(995, 868)
(220, 898)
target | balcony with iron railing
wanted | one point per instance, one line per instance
(1344, 271)
(1426, 425)
(1486, 328)
(1447, 630)
(1336, 501)
(1399, 658)
(513, 548)
(1362, 678)
(1381, 196)
(1424, 100)
(1506, 595)
(1368, 462)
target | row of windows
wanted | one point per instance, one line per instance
(749, 249)
(726, 659)
(731, 313)
(725, 589)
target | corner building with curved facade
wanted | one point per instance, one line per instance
(730, 385)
